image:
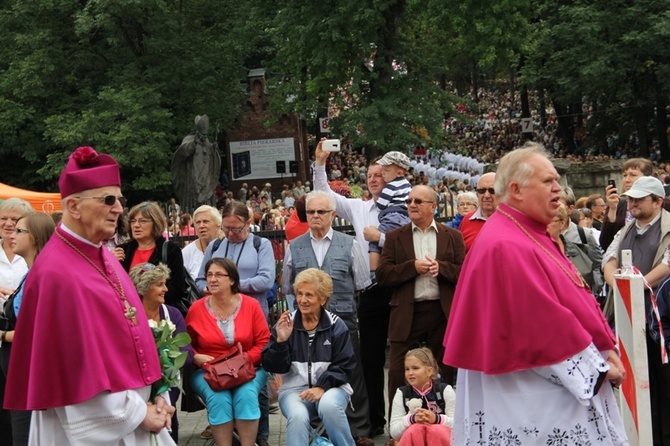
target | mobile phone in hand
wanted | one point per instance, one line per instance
(611, 182)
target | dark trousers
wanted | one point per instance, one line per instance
(373, 322)
(264, 420)
(659, 394)
(20, 426)
(357, 411)
(428, 325)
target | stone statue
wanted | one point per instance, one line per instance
(196, 166)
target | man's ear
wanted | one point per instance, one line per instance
(514, 190)
(72, 206)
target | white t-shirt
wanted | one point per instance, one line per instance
(193, 258)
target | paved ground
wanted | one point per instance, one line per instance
(191, 424)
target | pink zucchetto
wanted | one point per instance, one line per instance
(86, 170)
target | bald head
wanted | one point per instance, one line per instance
(488, 200)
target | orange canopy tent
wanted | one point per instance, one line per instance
(40, 201)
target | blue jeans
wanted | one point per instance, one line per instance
(330, 409)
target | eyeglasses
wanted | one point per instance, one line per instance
(233, 230)
(21, 231)
(317, 211)
(467, 203)
(417, 201)
(109, 200)
(483, 190)
(217, 276)
(141, 221)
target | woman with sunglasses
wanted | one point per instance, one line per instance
(29, 236)
(150, 282)
(147, 222)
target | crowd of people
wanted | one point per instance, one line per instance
(507, 298)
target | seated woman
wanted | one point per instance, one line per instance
(29, 236)
(216, 324)
(317, 340)
(149, 281)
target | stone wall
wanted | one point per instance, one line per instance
(589, 177)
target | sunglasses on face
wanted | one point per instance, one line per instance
(417, 201)
(483, 190)
(317, 211)
(109, 200)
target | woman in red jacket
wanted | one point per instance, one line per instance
(217, 323)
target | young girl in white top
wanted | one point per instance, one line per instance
(423, 410)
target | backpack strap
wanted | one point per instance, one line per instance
(582, 235)
(439, 398)
(216, 245)
(257, 243)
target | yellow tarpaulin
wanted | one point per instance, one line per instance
(40, 201)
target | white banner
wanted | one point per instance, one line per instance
(257, 160)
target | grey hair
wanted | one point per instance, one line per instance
(514, 167)
(16, 204)
(216, 215)
(143, 279)
(320, 193)
(468, 196)
(568, 195)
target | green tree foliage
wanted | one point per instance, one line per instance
(127, 77)
(385, 65)
(613, 54)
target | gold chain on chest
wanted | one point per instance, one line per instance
(579, 282)
(131, 312)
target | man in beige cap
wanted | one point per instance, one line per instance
(647, 237)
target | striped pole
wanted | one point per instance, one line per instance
(630, 330)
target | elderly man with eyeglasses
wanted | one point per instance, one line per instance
(83, 356)
(421, 261)
(488, 203)
(342, 257)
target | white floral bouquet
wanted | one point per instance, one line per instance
(170, 356)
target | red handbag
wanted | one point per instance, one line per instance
(229, 370)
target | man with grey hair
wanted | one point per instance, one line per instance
(530, 328)
(343, 259)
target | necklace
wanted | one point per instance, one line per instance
(131, 312)
(220, 314)
(579, 282)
